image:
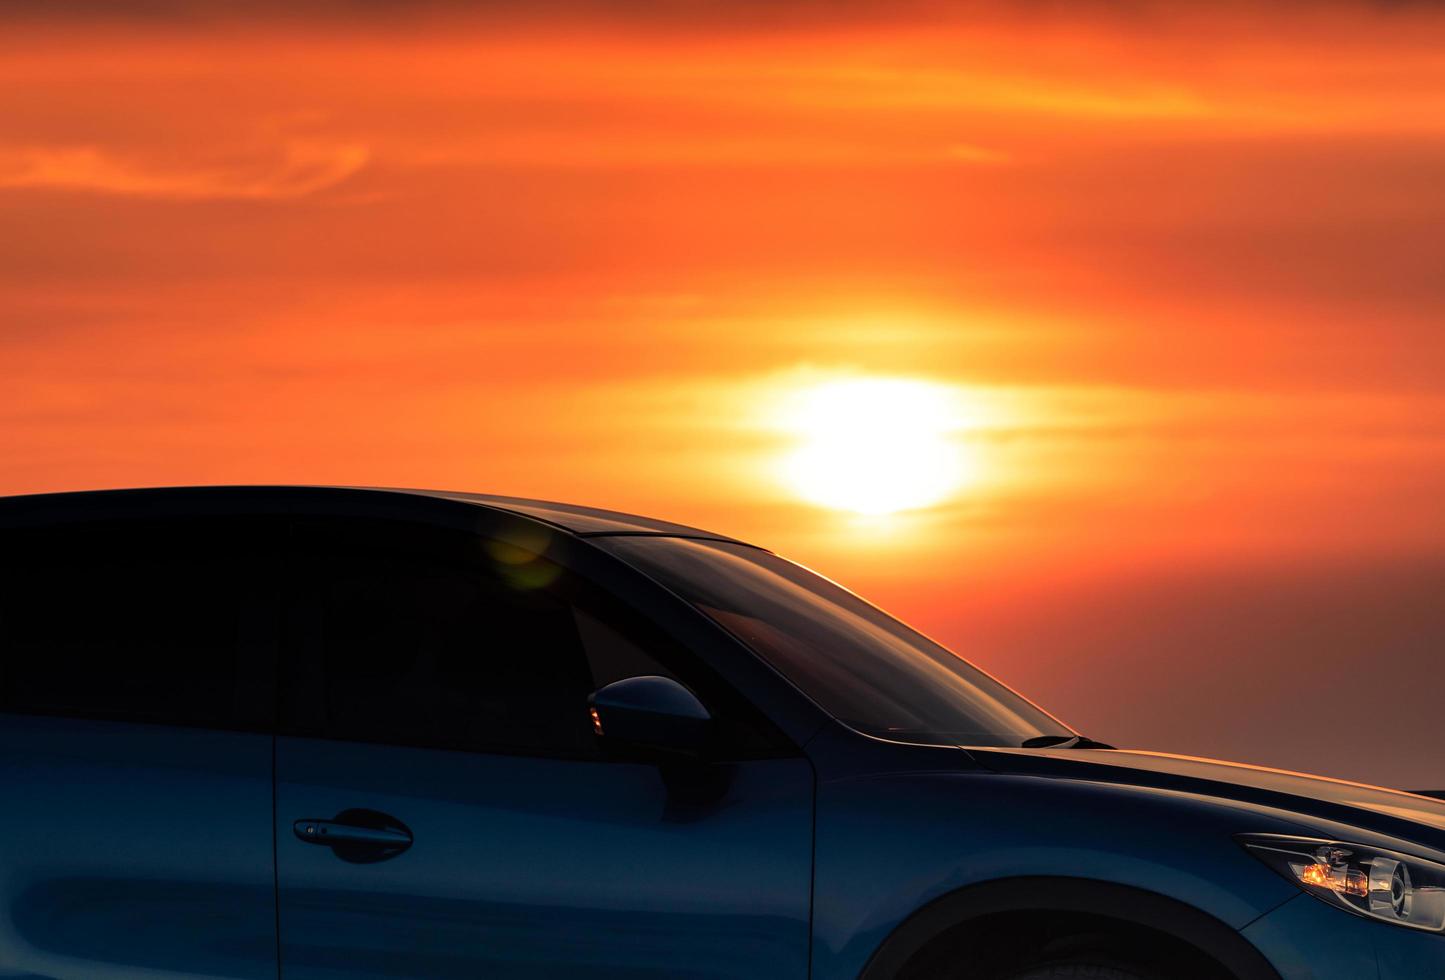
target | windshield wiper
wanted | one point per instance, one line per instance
(1062, 742)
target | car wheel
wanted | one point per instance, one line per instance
(1080, 971)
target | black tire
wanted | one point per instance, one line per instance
(1080, 971)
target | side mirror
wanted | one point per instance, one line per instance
(651, 712)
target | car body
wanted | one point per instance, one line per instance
(346, 732)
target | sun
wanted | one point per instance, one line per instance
(875, 445)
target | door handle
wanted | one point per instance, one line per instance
(358, 836)
(330, 832)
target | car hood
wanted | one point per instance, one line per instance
(1408, 816)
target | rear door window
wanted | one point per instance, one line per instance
(165, 622)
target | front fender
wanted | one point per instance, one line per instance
(890, 846)
(1069, 895)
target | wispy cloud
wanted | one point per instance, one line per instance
(300, 168)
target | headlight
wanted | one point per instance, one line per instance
(1369, 881)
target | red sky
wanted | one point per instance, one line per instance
(1182, 266)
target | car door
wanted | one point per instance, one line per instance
(443, 809)
(137, 675)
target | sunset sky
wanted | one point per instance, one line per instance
(1104, 342)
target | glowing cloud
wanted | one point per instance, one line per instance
(304, 167)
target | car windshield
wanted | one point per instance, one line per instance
(860, 665)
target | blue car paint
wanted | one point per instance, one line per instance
(543, 868)
(936, 821)
(144, 851)
(1307, 940)
(972, 828)
(1403, 816)
(134, 850)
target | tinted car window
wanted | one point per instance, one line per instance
(418, 640)
(613, 655)
(865, 668)
(411, 635)
(159, 622)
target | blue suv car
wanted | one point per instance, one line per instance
(322, 733)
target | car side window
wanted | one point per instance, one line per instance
(614, 654)
(157, 622)
(410, 635)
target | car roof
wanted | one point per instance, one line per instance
(573, 518)
(580, 520)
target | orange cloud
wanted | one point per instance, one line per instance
(300, 168)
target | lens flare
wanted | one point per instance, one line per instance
(522, 563)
